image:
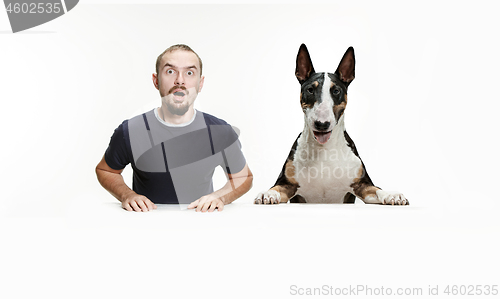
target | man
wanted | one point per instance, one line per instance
(174, 149)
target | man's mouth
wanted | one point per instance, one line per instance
(178, 91)
(322, 137)
(179, 95)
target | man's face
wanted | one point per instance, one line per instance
(179, 80)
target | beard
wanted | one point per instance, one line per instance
(182, 108)
(177, 109)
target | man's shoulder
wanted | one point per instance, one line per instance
(122, 128)
(140, 119)
(213, 120)
(141, 116)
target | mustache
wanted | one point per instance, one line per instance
(178, 87)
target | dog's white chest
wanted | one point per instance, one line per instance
(326, 172)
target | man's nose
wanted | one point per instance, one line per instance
(180, 79)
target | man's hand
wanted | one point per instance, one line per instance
(112, 180)
(207, 203)
(237, 185)
(138, 203)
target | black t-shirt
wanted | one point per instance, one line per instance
(174, 164)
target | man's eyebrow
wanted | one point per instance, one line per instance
(188, 67)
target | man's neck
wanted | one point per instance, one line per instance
(174, 119)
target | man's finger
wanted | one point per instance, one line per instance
(213, 206)
(127, 207)
(142, 205)
(200, 207)
(201, 203)
(206, 205)
(220, 206)
(149, 204)
(194, 204)
(134, 206)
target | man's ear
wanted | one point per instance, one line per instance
(345, 70)
(155, 81)
(202, 80)
(303, 67)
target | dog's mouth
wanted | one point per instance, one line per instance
(322, 137)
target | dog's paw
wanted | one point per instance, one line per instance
(392, 198)
(268, 198)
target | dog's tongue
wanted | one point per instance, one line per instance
(180, 94)
(321, 137)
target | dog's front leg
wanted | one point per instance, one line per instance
(373, 195)
(364, 188)
(275, 195)
(285, 187)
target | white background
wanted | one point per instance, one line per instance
(422, 112)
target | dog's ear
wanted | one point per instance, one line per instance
(304, 67)
(345, 70)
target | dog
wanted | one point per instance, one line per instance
(323, 165)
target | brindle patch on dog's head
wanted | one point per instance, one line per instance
(311, 91)
(338, 90)
(307, 102)
(338, 110)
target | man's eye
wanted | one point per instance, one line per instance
(170, 72)
(190, 73)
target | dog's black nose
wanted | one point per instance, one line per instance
(321, 126)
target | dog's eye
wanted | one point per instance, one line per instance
(336, 92)
(310, 90)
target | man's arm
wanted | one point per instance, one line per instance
(112, 180)
(237, 185)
